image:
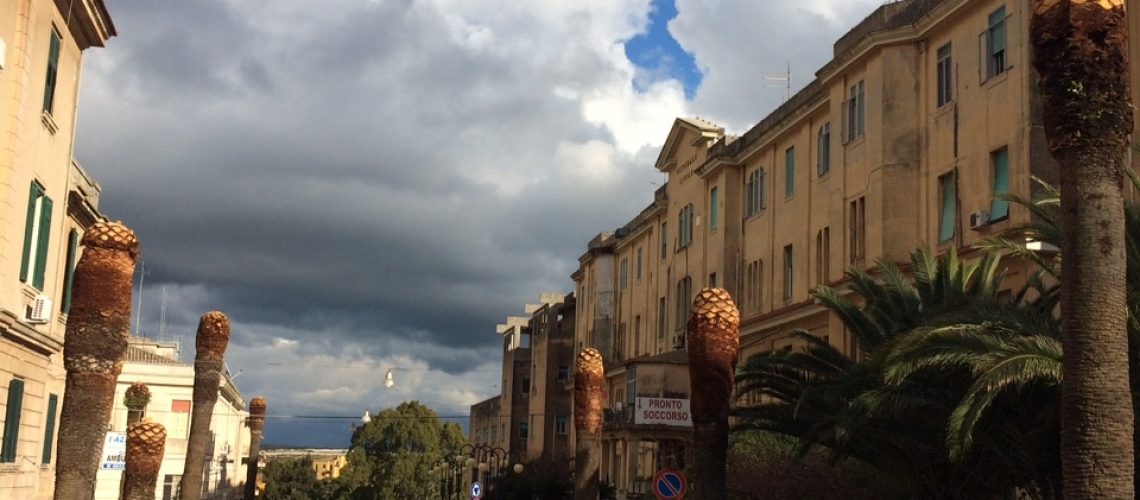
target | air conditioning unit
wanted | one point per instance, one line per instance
(979, 219)
(40, 311)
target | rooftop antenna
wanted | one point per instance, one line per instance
(138, 313)
(162, 317)
(784, 80)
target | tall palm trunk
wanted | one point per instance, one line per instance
(146, 443)
(256, 423)
(589, 397)
(714, 341)
(1081, 51)
(93, 350)
(212, 339)
(136, 399)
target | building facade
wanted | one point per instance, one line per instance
(46, 201)
(171, 383)
(927, 111)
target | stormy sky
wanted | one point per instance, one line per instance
(365, 185)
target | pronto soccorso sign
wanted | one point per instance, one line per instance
(663, 411)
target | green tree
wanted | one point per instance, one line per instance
(391, 456)
(290, 479)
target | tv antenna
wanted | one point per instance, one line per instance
(138, 313)
(777, 81)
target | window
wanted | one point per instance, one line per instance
(563, 373)
(664, 240)
(753, 285)
(714, 210)
(69, 273)
(754, 193)
(712, 280)
(525, 386)
(999, 209)
(15, 407)
(49, 429)
(560, 425)
(524, 431)
(623, 273)
(948, 207)
(171, 487)
(685, 229)
(52, 70)
(637, 335)
(855, 110)
(789, 268)
(639, 263)
(631, 386)
(619, 343)
(179, 419)
(684, 288)
(790, 171)
(995, 44)
(662, 320)
(945, 78)
(822, 255)
(858, 229)
(823, 150)
(37, 231)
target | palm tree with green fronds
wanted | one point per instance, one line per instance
(825, 398)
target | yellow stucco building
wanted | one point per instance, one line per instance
(927, 110)
(46, 200)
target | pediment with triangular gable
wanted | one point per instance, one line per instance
(686, 134)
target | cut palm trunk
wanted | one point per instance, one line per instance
(1080, 49)
(136, 399)
(146, 443)
(211, 342)
(256, 423)
(713, 343)
(95, 343)
(589, 398)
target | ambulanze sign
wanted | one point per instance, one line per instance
(663, 411)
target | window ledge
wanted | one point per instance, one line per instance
(997, 79)
(49, 122)
(858, 141)
(945, 108)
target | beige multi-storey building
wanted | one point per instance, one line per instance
(927, 110)
(46, 200)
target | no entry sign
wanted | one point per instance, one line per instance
(669, 484)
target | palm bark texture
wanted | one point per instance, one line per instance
(1081, 52)
(713, 344)
(211, 342)
(589, 398)
(94, 346)
(146, 444)
(256, 423)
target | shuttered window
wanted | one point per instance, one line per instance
(714, 208)
(948, 211)
(52, 71)
(790, 171)
(37, 236)
(49, 428)
(999, 209)
(12, 413)
(69, 277)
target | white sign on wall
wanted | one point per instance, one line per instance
(114, 452)
(663, 411)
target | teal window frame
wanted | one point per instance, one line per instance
(945, 74)
(999, 208)
(13, 410)
(37, 237)
(947, 207)
(823, 150)
(997, 57)
(69, 273)
(52, 73)
(790, 171)
(49, 429)
(714, 209)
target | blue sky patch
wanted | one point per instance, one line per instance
(658, 55)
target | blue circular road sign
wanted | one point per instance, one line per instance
(669, 484)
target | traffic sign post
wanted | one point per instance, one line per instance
(476, 491)
(669, 484)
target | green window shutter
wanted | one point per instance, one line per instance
(713, 209)
(25, 261)
(52, 72)
(790, 171)
(997, 31)
(44, 238)
(69, 277)
(12, 420)
(949, 215)
(49, 428)
(760, 191)
(1000, 208)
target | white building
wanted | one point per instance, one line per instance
(171, 383)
